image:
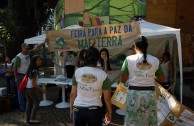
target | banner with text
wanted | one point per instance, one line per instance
(117, 36)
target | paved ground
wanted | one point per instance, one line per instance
(52, 116)
(49, 115)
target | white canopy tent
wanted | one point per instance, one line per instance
(151, 29)
(40, 38)
(147, 29)
(35, 40)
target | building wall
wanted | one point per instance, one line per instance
(177, 14)
(161, 12)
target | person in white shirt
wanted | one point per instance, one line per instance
(88, 84)
(139, 72)
(31, 90)
(21, 65)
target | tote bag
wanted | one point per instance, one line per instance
(23, 84)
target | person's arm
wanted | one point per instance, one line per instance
(40, 45)
(73, 95)
(124, 77)
(160, 78)
(16, 65)
(107, 98)
(105, 64)
(33, 77)
(72, 99)
(34, 84)
(125, 72)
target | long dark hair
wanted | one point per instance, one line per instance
(33, 65)
(102, 61)
(142, 45)
(92, 56)
(167, 54)
(81, 58)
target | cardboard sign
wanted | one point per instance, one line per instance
(170, 112)
(111, 36)
(119, 97)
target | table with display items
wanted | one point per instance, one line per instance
(63, 82)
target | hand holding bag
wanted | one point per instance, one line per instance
(23, 84)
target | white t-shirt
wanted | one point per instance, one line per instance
(70, 60)
(8, 66)
(24, 63)
(90, 82)
(166, 71)
(34, 74)
(138, 75)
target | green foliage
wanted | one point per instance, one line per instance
(20, 20)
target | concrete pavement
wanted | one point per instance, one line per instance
(49, 115)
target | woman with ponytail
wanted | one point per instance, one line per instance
(31, 90)
(141, 71)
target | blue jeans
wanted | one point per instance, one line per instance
(11, 86)
(21, 96)
(90, 116)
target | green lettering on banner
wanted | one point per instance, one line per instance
(90, 41)
(108, 40)
(114, 39)
(119, 41)
(86, 43)
(80, 43)
(98, 41)
(103, 42)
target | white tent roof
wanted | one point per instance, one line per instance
(35, 40)
(147, 29)
(40, 38)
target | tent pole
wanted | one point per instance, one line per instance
(180, 64)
